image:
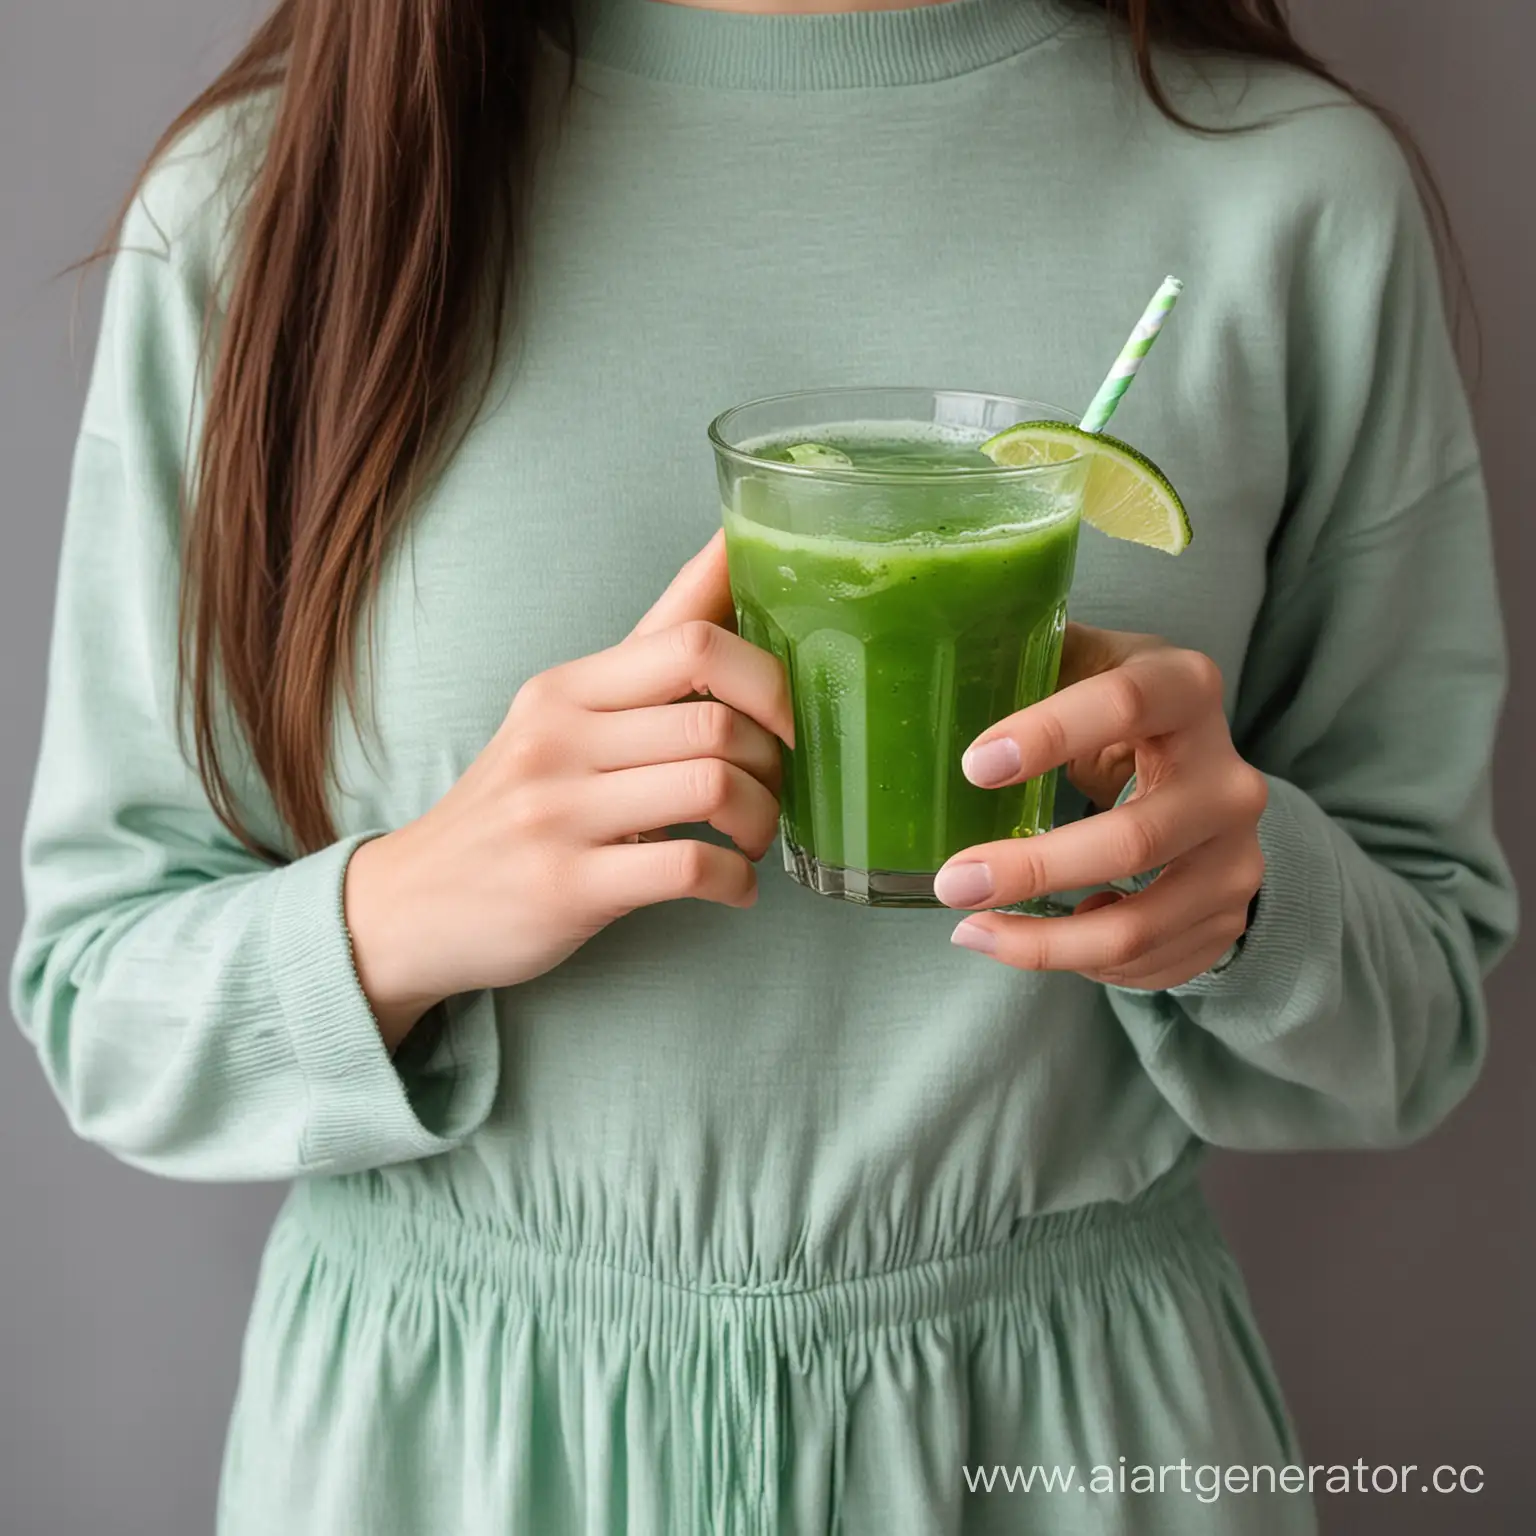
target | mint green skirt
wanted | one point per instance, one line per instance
(410, 1371)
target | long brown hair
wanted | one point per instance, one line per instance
(377, 236)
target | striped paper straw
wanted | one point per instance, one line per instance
(1130, 361)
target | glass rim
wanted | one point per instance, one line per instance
(853, 474)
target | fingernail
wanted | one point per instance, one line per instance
(969, 936)
(992, 763)
(963, 885)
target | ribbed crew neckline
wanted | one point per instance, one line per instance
(732, 50)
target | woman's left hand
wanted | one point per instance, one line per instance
(1127, 702)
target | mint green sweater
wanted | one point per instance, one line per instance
(974, 195)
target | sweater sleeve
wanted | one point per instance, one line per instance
(195, 1010)
(1353, 1013)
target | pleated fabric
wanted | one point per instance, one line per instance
(411, 1372)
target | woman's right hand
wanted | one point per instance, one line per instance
(547, 838)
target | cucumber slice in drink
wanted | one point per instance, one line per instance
(1127, 496)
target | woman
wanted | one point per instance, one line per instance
(758, 1212)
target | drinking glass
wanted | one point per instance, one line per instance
(916, 595)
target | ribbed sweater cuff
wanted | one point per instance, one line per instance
(360, 1114)
(1288, 961)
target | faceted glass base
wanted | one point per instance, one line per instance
(890, 888)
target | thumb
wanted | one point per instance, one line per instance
(701, 590)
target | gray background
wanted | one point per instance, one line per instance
(1396, 1292)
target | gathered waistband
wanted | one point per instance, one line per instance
(381, 1238)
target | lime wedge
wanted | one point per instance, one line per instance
(817, 456)
(1127, 496)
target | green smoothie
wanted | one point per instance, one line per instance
(914, 607)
